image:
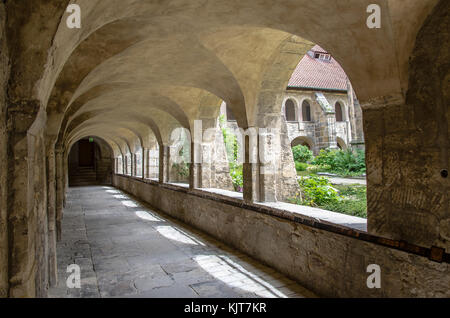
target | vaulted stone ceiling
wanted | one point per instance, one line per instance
(137, 69)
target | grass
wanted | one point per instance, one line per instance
(313, 170)
(354, 201)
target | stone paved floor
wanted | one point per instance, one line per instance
(125, 249)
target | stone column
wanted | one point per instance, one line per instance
(59, 191)
(268, 152)
(65, 172)
(407, 190)
(251, 168)
(51, 217)
(278, 177)
(146, 163)
(195, 168)
(331, 131)
(211, 166)
(164, 164)
(20, 210)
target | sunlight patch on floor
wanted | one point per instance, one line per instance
(129, 203)
(236, 276)
(176, 235)
(148, 217)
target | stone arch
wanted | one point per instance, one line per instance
(304, 141)
(102, 160)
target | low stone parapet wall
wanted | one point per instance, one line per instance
(331, 261)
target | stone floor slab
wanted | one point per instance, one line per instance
(125, 249)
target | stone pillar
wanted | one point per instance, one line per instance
(331, 131)
(278, 177)
(127, 170)
(211, 167)
(133, 165)
(251, 169)
(195, 168)
(268, 151)
(59, 190)
(145, 163)
(164, 164)
(407, 193)
(21, 205)
(65, 172)
(51, 217)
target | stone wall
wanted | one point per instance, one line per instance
(103, 162)
(4, 73)
(323, 129)
(329, 264)
(408, 146)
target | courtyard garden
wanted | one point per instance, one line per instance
(315, 175)
(314, 180)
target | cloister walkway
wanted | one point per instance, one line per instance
(125, 249)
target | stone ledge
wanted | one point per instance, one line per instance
(296, 217)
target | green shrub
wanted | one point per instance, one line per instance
(302, 154)
(182, 169)
(237, 177)
(325, 158)
(300, 166)
(317, 191)
(343, 162)
(231, 144)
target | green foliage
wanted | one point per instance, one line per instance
(232, 148)
(300, 166)
(354, 202)
(231, 144)
(349, 207)
(237, 177)
(302, 154)
(325, 158)
(342, 162)
(182, 168)
(317, 191)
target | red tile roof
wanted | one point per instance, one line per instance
(318, 74)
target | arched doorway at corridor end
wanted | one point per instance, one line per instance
(90, 162)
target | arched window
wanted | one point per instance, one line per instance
(306, 111)
(289, 110)
(230, 116)
(338, 110)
